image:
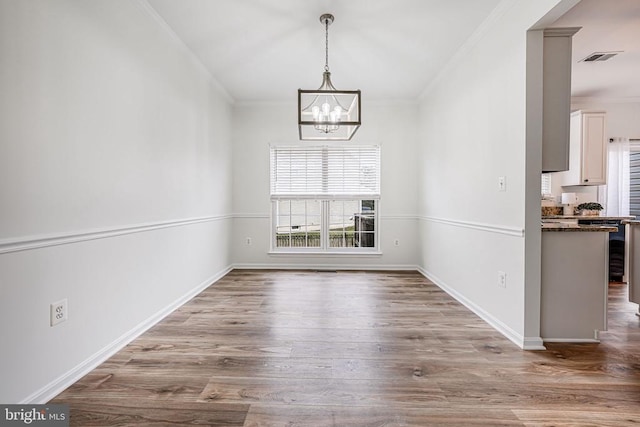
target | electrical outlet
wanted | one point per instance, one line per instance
(502, 279)
(59, 312)
(248, 241)
(502, 183)
(396, 242)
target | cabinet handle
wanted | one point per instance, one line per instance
(586, 180)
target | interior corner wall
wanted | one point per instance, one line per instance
(473, 131)
(392, 125)
(115, 184)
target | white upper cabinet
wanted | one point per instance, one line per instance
(588, 149)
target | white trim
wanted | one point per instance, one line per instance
(323, 267)
(251, 216)
(471, 42)
(151, 12)
(382, 217)
(44, 241)
(58, 385)
(571, 340)
(525, 343)
(605, 100)
(491, 228)
(395, 102)
(246, 103)
(533, 343)
(336, 252)
(400, 217)
(497, 324)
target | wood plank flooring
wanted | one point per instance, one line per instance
(293, 348)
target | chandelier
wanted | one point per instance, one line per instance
(327, 113)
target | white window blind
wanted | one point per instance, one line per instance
(325, 171)
(546, 184)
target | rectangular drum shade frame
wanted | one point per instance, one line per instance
(343, 130)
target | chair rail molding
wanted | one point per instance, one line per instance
(491, 228)
(43, 241)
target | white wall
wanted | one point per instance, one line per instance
(392, 126)
(114, 183)
(474, 129)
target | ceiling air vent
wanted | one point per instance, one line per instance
(599, 56)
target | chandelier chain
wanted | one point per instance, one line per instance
(326, 44)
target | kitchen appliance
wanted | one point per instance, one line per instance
(616, 246)
(569, 201)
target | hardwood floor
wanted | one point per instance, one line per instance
(292, 348)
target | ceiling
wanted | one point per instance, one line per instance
(264, 50)
(606, 26)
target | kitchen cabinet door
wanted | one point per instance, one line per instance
(594, 149)
(588, 149)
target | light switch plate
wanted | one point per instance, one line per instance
(502, 183)
(502, 279)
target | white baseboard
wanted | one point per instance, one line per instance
(58, 385)
(286, 266)
(533, 343)
(572, 340)
(525, 343)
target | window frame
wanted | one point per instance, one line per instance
(546, 184)
(634, 150)
(325, 230)
(327, 196)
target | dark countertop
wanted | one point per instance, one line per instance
(588, 217)
(558, 226)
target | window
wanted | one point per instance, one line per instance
(298, 223)
(325, 198)
(621, 195)
(634, 181)
(546, 184)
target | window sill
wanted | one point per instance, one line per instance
(339, 254)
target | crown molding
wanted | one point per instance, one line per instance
(605, 100)
(393, 102)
